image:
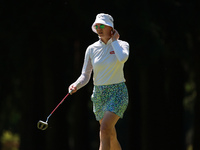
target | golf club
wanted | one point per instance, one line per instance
(44, 125)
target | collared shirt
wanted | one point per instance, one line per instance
(106, 61)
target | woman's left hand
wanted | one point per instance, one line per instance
(115, 35)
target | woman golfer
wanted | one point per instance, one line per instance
(106, 59)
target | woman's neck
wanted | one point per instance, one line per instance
(105, 40)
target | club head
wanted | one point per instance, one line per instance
(42, 125)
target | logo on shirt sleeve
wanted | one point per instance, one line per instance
(112, 52)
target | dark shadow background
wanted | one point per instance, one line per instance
(42, 50)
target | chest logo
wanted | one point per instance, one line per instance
(112, 52)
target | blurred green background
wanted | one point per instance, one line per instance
(42, 51)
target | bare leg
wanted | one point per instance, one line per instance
(114, 143)
(108, 136)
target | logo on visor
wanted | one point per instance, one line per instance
(101, 16)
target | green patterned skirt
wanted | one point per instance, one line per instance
(113, 98)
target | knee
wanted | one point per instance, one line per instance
(106, 132)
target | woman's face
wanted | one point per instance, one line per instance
(103, 31)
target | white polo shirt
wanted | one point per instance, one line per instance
(106, 61)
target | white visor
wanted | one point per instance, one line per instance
(105, 19)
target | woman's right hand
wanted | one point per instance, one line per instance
(72, 88)
(115, 35)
